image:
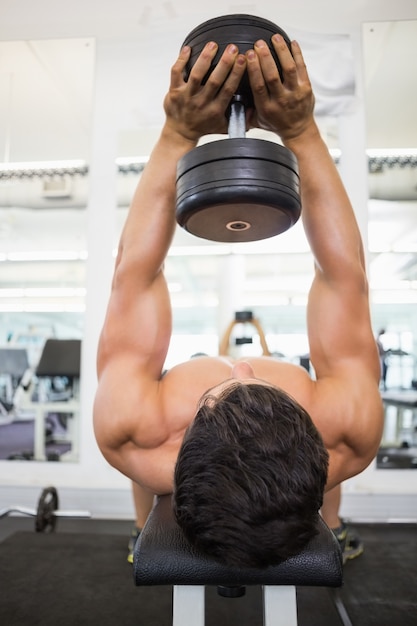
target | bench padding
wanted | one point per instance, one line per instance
(163, 556)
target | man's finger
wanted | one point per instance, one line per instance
(225, 71)
(177, 70)
(288, 64)
(299, 61)
(202, 66)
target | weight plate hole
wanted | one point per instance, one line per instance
(238, 225)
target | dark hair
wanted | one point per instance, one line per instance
(250, 477)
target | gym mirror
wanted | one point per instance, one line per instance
(391, 96)
(45, 108)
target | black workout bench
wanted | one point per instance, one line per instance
(163, 556)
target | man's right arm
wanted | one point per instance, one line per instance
(137, 329)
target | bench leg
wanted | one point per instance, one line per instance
(188, 605)
(280, 605)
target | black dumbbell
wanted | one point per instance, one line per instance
(239, 188)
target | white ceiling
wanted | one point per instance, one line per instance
(47, 63)
(47, 54)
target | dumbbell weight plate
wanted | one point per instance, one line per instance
(243, 316)
(237, 190)
(240, 29)
(45, 516)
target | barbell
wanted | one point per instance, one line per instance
(47, 512)
(238, 188)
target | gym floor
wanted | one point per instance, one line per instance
(80, 575)
(15, 523)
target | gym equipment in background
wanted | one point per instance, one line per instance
(47, 512)
(250, 326)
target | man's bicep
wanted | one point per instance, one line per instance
(138, 323)
(339, 326)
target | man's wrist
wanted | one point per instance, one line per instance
(298, 138)
(173, 136)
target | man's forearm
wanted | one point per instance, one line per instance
(328, 217)
(150, 223)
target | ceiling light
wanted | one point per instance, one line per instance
(391, 152)
(40, 255)
(41, 165)
(43, 292)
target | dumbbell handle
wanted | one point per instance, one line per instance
(237, 118)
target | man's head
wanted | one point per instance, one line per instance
(250, 476)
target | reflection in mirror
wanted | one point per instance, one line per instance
(45, 107)
(391, 96)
